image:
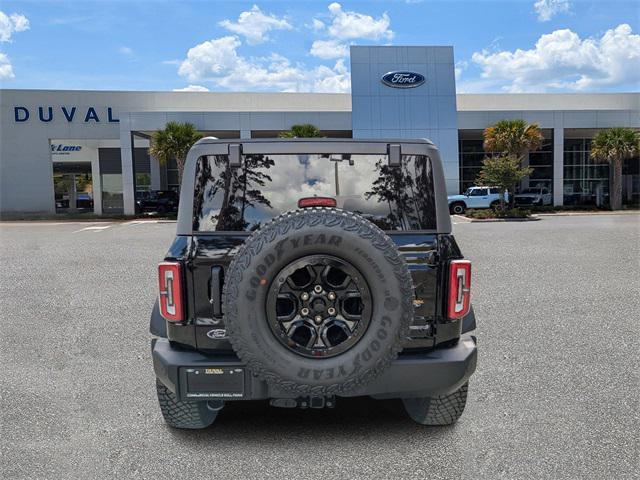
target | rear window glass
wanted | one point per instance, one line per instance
(242, 199)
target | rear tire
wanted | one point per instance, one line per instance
(179, 414)
(457, 208)
(441, 410)
(495, 206)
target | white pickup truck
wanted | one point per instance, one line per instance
(534, 196)
(475, 197)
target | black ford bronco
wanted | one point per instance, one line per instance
(311, 269)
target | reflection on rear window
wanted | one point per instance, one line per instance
(242, 199)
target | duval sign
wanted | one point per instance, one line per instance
(47, 114)
(403, 79)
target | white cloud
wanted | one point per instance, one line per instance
(351, 25)
(562, 60)
(331, 80)
(125, 51)
(210, 59)
(460, 67)
(547, 9)
(10, 24)
(346, 25)
(192, 88)
(6, 70)
(327, 49)
(254, 25)
(218, 61)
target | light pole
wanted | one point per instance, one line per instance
(345, 156)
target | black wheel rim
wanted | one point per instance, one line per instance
(319, 306)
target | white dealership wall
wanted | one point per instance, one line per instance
(431, 110)
(26, 182)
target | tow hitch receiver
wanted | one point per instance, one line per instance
(304, 402)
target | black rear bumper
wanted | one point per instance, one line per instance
(437, 372)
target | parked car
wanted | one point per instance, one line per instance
(269, 291)
(475, 197)
(534, 196)
(84, 200)
(158, 201)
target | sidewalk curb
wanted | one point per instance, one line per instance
(494, 220)
(577, 214)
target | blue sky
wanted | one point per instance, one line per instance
(500, 46)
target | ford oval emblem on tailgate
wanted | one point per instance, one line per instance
(401, 79)
(217, 334)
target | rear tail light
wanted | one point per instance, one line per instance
(170, 290)
(459, 288)
(317, 202)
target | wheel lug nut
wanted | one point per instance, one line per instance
(318, 319)
(304, 312)
(331, 296)
(304, 296)
(317, 289)
(331, 311)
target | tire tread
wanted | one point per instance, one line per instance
(295, 220)
(179, 414)
(440, 410)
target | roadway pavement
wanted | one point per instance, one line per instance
(555, 394)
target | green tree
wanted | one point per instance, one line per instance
(304, 130)
(504, 172)
(174, 141)
(614, 146)
(241, 188)
(513, 138)
(395, 187)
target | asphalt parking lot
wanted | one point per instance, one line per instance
(555, 394)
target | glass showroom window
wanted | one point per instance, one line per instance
(541, 161)
(172, 175)
(586, 181)
(142, 170)
(471, 156)
(631, 182)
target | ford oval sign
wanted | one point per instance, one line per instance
(403, 79)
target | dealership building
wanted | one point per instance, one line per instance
(66, 150)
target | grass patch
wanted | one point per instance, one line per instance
(489, 213)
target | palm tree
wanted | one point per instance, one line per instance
(514, 139)
(304, 130)
(614, 146)
(174, 141)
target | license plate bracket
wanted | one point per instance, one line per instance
(214, 382)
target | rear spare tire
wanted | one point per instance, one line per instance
(318, 301)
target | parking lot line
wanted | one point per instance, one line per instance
(94, 228)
